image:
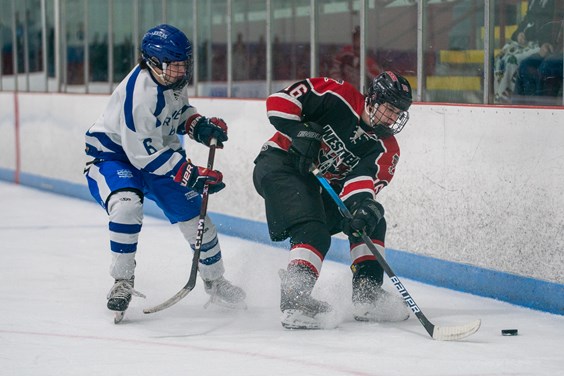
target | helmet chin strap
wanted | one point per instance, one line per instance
(371, 114)
(161, 75)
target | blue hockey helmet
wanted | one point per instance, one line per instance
(165, 44)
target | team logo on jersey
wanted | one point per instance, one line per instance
(124, 174)
(335, 160)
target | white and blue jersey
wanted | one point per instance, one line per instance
(140, 125)
(136, 152)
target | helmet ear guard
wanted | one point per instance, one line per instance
(152, 61)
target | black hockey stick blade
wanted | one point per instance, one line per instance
(170, 302)
(189, 286)
(184, 291)
(444, 333)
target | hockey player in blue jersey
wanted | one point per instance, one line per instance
(137, 155)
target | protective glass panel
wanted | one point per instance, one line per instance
(98, 24)
(339, 47)
(454, 51)
(391, 40)
(34, 36)
(150, 15)
(212, 45)
(528, 57)
(249, 49)
(73, 75)
(124, 54)
(179, 13)
(290, 42)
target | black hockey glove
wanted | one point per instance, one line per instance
(203, 129)
(305, 146)
(366, 215)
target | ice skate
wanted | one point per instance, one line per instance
(223, 293)
(372, 303)
(299, 309)
(120, 296)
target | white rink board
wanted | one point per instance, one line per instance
(476, 185)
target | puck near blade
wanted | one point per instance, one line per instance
(509, 332)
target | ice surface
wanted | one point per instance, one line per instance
(53, 320)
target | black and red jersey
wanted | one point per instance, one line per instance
(350, 158)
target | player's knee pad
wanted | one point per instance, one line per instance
(125, 211)
(125, 207)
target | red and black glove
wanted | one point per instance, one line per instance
(195, 177)
(366, 215)
(203, 129)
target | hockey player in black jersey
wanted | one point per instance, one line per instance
(350, 138)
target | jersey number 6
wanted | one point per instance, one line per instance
(150, 149)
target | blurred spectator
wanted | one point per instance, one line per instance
(550, 76)
(528, 73)
(240, 63)
(99, 58)
(34, 42)
(202, 61)
(346, 64)
(258, 61)
(75, 56)
(539, 77)
(506, 64)
(533, 25)
(281, 60)
(20, 43)
(6, 49)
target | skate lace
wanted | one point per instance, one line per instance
(122, 289)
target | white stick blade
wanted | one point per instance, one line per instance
(454, 333)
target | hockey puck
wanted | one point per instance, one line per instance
(509, 332)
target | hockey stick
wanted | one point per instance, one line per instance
(198, 246)
(441, 333)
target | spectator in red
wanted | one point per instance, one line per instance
(346, 64)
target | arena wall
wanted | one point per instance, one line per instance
(475, 205)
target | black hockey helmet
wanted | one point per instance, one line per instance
(392, 88)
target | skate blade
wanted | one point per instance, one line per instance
(380, 313)
(295, 319)
(118, 317)
(215, 301)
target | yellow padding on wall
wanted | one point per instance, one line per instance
(464, 83)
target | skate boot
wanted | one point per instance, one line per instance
(225, 294)
(299, 309)
(371, 302)
(120, 296)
